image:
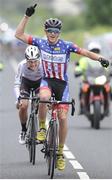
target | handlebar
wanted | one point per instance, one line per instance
(72, 103)
(30, 98)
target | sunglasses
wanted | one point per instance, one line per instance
(53, 30)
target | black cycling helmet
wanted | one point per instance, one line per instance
(52, 23)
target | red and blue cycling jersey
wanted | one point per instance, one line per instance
(55, 57)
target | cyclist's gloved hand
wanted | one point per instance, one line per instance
(18, 103)
(30, 10)
(104, 62)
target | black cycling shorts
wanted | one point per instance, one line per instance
(57, 87)
(27, 85)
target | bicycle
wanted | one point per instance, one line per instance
(32, 126)
(50, 146)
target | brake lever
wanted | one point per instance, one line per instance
(73, 107)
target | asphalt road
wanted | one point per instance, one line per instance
(88, 151)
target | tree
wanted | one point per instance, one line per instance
(98, 12)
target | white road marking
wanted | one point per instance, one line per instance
(65, 148)
(75, 164)
(68, 154)
(83, 175)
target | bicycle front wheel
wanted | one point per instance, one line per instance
(52, 148)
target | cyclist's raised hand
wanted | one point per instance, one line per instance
(104, 62)
(30, 10)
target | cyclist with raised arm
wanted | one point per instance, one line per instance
(28, 76)
(55, 55)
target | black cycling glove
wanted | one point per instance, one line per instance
(104, 62)
(30, 10)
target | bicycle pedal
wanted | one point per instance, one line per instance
(39, 142)
(43, 150)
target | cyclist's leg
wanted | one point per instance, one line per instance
(62, 116)
(23, 114)
(23, 119)
(62, 93)
(25, 93)
(44, 94)
(23, 108)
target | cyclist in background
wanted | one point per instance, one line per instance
(28, 76)
(83, 64)
(55, 55)
(1, 66)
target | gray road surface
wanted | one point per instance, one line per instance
(88, 151)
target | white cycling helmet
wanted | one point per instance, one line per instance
(94, 46)
(32, 53)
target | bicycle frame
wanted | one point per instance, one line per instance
(51, 144)
(32, 126)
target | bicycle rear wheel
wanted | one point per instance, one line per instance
(28, 138)
(52, 148)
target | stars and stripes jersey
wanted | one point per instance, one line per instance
(55, 58)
